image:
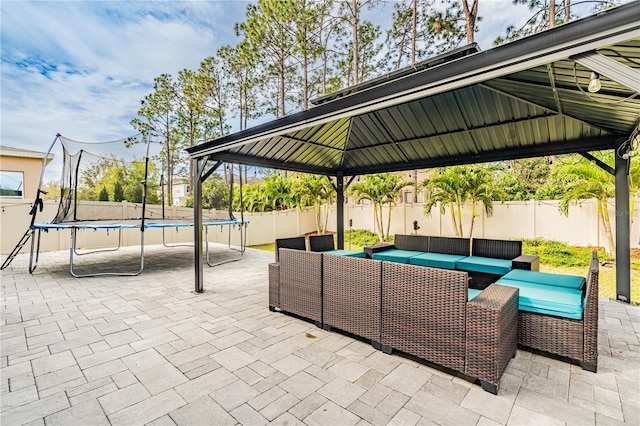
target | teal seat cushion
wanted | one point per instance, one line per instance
(395, 255)
(559, 301)
(487, 265)
(546, 278)
(472, 292)
(346, 253)
(436, 260)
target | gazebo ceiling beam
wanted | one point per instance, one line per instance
(613, 69)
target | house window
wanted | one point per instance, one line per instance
(11, 184)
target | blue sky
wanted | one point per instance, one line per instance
(80, 68)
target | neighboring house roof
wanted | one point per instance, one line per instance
(24, 153)
(514, 101)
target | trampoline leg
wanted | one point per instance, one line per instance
(33, 265)
(103, 250)
(242, 247)
(72, 250)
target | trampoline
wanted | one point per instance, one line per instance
(75, 216)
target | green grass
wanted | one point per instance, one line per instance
(360, 238)
(606, 282)
(555, 257)
(560, 254)
(265, 247)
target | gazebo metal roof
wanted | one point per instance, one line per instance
(523, 99)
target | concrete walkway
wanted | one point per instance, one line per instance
(147, 350)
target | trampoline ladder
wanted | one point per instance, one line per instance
(23, 241)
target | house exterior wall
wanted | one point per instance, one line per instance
(31, 169)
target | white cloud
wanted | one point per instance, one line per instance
(81, 68)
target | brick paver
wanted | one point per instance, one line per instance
(147, 350)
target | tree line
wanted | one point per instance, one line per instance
(477, 187)
(290, 51)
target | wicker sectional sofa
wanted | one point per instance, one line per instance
(432, 312)
(418, 310)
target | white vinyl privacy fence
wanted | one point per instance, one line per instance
(510, 220)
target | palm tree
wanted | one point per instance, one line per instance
(445, 188)
(584, 180)
(314, 190)
(253, 199)
(393, 184)
(453, 186)
(379, 188)
(277, 190)
(481, 187)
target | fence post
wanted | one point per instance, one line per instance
(535, 219)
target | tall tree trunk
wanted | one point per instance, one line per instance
(453, 219)
(401, 51)
(603, 214)
(470, 15)
(414, 32)
(459, 214)
(316, 209)
(282, 89)
(376, 220)
(552, 13)
(305, 67)
(326, 217)
(567, 11)
(473, 218)
(389, 221)
(354, 24)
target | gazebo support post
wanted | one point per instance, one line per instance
(623, 229)
(340, 209)
(197, 167)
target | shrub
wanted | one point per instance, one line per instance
(560, 254)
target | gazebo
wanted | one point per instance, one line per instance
(527, 98)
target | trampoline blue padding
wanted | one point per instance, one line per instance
(134, 224)
(85, 225)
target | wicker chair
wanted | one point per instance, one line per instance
(351, 295)
(300, 284)
(425, 313)
(570, 338)
(446, 245)
(411, 242)
(321, 242)
(496, 249)
(295, 243)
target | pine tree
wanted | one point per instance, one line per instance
(104, 195)
(118, 192)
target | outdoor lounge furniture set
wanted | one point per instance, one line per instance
(429, 309)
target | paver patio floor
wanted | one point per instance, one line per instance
(147, 350)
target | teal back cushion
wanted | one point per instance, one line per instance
(348, 253)
(546, 278)
(395, 255)
(436, 260)
(487, 265)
